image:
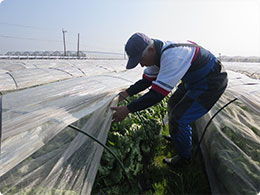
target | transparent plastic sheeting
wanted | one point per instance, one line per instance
(231, 145)
(40, 154)
(245, 89)
(248, 68)
(20, 74)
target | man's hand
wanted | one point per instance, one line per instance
(120, 114)
(123, 93)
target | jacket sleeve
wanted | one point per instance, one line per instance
(149, 99)
(139, 86)
(149, 75)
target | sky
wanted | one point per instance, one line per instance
(229, 27)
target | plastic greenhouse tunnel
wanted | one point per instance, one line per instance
(42, 154)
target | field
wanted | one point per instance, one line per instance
(140, 146)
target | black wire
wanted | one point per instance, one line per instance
(129, 102)
(205, 129)
(30, 39)
(107, 148)
(139, 116)
(124, 97)
(25, 26)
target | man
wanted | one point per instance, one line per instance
(201, 78)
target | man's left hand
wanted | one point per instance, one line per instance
(120, 114)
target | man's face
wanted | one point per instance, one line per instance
(148, 57)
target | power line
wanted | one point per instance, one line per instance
(25, 38)
(33, 39)
(57, 41)
(25, 26)
(39, 28)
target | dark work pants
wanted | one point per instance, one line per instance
(190, 102)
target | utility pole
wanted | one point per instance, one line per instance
(64, 31)
(78, 47)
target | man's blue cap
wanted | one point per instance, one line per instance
(134, 48)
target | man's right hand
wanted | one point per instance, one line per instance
(123, 93)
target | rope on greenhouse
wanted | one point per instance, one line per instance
(61, 70)
(205, 129)
(115, 77)
(107, 148)
(79, 69)
(13, 79)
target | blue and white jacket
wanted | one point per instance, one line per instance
(174, 63)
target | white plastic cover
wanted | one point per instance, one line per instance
(247, 68)
(40, 154)
(231, 145)
(20, 74)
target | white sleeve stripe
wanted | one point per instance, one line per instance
(151, 75)
(166, 85)
(163, 86)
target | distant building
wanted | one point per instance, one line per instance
(56, 53)
(46, 53)
(60, 54)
